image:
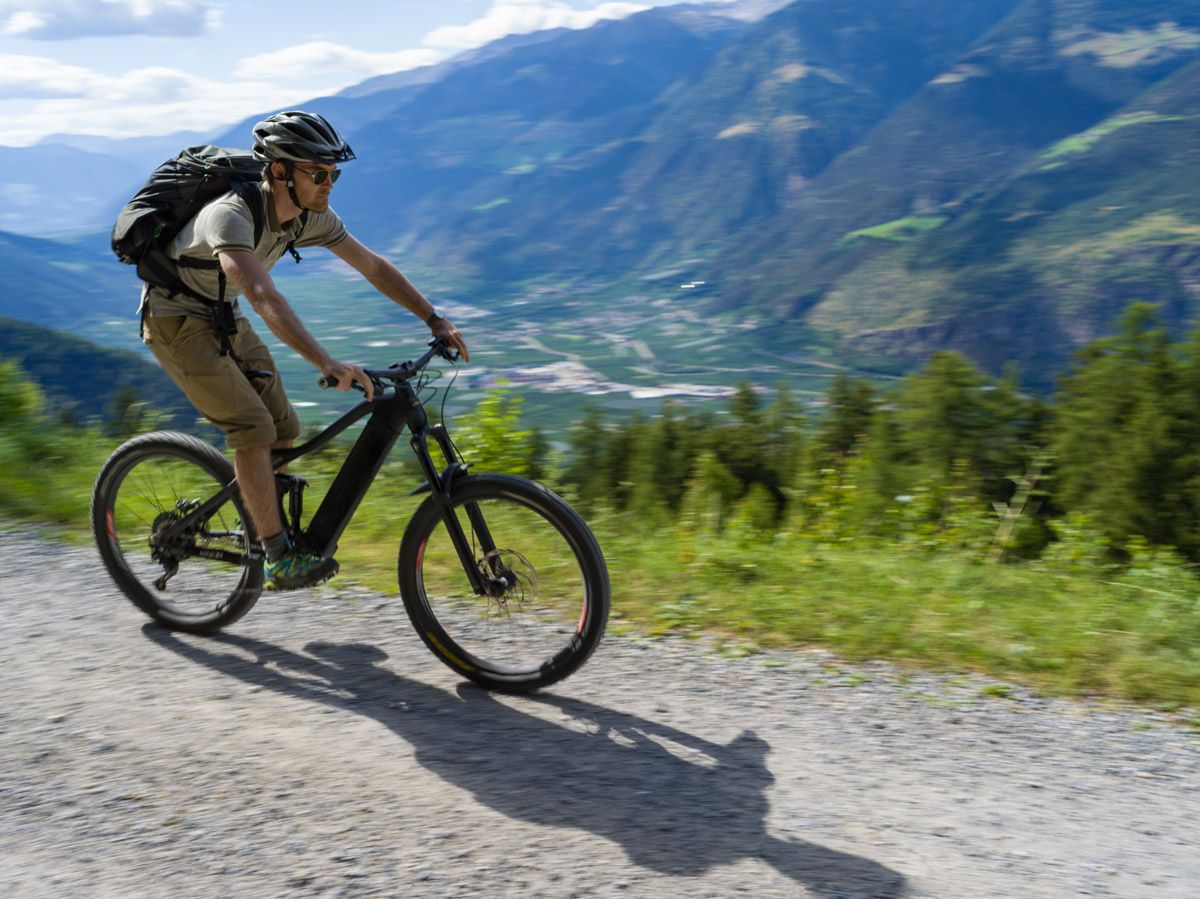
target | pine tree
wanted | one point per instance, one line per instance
(850, 406)
(785, 438)
(587, 459)
(945, 415)
(1120, 438)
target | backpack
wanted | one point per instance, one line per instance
(175, 192)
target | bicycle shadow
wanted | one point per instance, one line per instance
(676, 803)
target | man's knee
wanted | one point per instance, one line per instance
(288, 428)
(251, 437)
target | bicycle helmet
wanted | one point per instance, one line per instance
(296, 136)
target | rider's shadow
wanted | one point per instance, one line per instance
(676, 803)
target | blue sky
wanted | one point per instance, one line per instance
(123, 68)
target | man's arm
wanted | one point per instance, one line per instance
(255, 284)
(390, 282)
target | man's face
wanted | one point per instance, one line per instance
(312, 195)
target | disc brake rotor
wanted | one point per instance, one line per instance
(509, 577)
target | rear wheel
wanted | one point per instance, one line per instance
(200, 578)
(545, 592)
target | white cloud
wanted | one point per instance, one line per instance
(41, 96)
(208, 112)
(506, 17)
(36, 77)
(66, 19)
(330, 59)
(138, 102)
(29, 77)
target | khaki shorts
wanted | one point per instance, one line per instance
(250, 412)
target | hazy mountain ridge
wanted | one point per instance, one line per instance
(1020, 90)
(1057, 251)
(63, 285)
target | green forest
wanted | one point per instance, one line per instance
(948, 521)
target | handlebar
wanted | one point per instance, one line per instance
(438, 347)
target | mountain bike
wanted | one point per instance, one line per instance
(500, 577)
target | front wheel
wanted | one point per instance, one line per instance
(537, 602)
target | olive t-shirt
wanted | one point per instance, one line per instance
(228, 224)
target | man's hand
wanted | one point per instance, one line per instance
(444, 329)
(343, 374)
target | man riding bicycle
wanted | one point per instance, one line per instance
(300, 152)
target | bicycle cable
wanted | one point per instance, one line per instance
(442, 412)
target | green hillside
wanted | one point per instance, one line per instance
(1026, 85)
(1048, 259)
(81, 380)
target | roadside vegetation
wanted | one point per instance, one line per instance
(949, 522)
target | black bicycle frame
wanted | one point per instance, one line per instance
(389, 416)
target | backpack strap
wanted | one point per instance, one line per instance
(291, 247)
(252, 194)
(224, 321)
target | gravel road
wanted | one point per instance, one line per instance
(318, 749)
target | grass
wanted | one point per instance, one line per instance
(1162, 228)
(1048, 624)
(1055, 625)
(1133, 46)
(900, 230)
(1084, 141)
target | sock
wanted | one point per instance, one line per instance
(277, 546)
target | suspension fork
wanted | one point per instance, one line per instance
(441, 485)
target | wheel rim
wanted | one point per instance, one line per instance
(538, 603)
(151, 494)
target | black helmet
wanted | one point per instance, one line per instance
(296, 136)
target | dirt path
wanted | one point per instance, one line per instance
(318, 749)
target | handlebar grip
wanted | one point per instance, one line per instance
(324, 382)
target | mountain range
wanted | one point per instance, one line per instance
(885, 178)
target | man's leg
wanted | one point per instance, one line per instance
(254, 416)
(256, 479)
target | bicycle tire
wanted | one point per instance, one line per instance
(546, 624)
(147, 483)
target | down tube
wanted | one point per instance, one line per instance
(352, 483)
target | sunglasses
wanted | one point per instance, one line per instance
(320, 176)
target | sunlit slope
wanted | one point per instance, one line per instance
(740, 147)
(1047, 259)
(1051, 69)
(490, 170)
(636, 143)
